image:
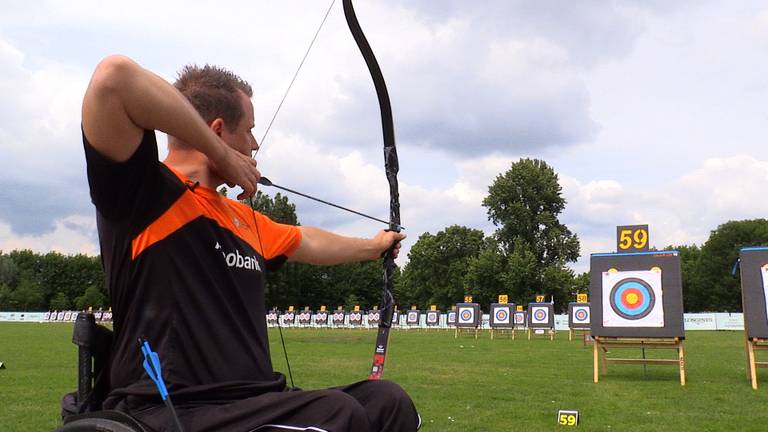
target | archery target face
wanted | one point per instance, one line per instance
(452, 317)
(520, 318)
(580, 315)
(338, 317)
(501, 315)
(355, 317)
(432, 317)
(321, 317)
(764, 273)
(539, 315)
(373, 317)
(466, 315)
(413, 317)
(632, 299)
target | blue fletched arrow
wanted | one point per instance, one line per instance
(153, 368)
(155, 373)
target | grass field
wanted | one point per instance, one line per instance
(458, 384)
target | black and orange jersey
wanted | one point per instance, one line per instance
(185, 269)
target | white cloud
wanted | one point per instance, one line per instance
(70, 235)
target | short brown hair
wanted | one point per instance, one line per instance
(213, 92)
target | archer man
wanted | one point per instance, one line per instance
(165, 234)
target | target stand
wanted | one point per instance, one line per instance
(501, 319)
(754, 297)
(541, 320)
(637, 302)
(579, 320)
(467, 319)
(603, 344)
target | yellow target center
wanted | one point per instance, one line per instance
(632, 298)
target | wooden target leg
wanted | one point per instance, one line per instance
(529, 334)
(456, 333)
(681, 356)
(570, 335)
(491, 334)
(595, 355)
(749, 362)
(752, 365)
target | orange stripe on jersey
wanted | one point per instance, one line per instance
(277, 239)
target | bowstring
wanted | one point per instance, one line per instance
(261, 145)
(296, 74)
(279, 327)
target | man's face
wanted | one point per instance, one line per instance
(241, 138)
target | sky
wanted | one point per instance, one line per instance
(651, 112)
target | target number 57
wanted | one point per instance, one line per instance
(632, 238)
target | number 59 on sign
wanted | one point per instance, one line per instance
(567, 418)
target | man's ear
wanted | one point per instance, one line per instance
(217, 125)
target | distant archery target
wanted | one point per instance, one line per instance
(520, 318)
(356, 318)
(374, 317)
(467, 314)
(412, 318)
(60, 316)
(539, 315)
(581, 314)
(632, 299)
(338, 318)
(321, 318)
(47, 316)
(272, 318)
(501, 316)
(305, 317)
(433, 317)
(67, 315)
(451, 318)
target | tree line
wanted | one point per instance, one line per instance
(527, 255)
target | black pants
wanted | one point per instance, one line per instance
(361, 407)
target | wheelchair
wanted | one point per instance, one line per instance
(82, 410)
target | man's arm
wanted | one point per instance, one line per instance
(321, 247)
(123, 99)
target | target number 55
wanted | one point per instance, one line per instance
(632, 238)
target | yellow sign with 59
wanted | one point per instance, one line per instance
(632, 238)
(567, 418)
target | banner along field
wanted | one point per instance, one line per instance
(458, 384)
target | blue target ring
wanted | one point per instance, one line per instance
(632, 298)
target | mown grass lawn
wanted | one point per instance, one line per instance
(458, 384)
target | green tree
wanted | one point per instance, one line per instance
(484, 279)
(581, 283)
(279, 208)
(437, 266)
(28, 295)
(6, 298)
(689, 267)
(59, 302)
(92, 297)
(9, 271)
(524, 204)
(714, 287)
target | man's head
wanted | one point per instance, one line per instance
(223, 101)
(214, 92)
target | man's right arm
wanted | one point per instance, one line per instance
(123, 99)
